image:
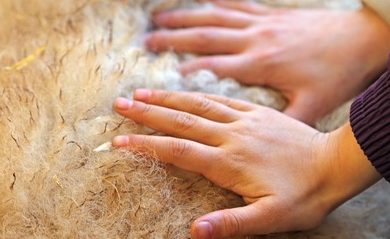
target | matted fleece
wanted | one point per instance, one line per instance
(62, 64)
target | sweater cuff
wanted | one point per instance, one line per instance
(370, 122)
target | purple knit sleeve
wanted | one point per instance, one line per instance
(370, 121)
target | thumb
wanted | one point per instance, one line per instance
(249, 220)
(305, 108)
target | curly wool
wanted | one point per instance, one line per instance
(62, 63)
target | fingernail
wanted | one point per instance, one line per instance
(120, 141)
(123, 103)
(148, 38)
(183, 70)
(142, 94)
(160, 17)
(150, 42)
(204, 230)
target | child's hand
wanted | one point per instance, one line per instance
(290, 175)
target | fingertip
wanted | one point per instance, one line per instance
(203, 63)
(202, 230)
(155, 41)
(182, 70)
(161, 18)
(224, 223)
(120, 141)
(186, 69)
(122, 104)
(142, 94)
(148, 40)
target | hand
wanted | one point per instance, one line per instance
(290, 175)
(318, 59)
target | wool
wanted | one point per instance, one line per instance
(62, 64)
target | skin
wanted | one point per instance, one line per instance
(290, 175)
(318, 59)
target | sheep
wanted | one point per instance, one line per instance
(62, 64)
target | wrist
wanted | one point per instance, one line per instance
(347, 172)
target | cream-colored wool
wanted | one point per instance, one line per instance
(62, 63)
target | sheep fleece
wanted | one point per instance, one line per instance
(62, 63)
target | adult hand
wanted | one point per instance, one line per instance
(317, 58)
(290, 175)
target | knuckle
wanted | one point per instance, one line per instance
(217, 15)
(262, 115)
(163, 96)
(183, 121)
(273, 216)
(202, 104)
(282, 212)
(232, 223)
(238, 132)
(178, 148)
(204, 38)
(236, 127)
(146, 109)
(144, 141)
(267, 32)
(208, 63)
(228, 102)
(269, 57)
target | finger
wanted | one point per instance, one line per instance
(222, 66)
(254, 219)
(201, 40)
(244, 6)
(195, 104)
(171, 122)
(304, 108)
(203, 17)
(182, 153)
(232, 103)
